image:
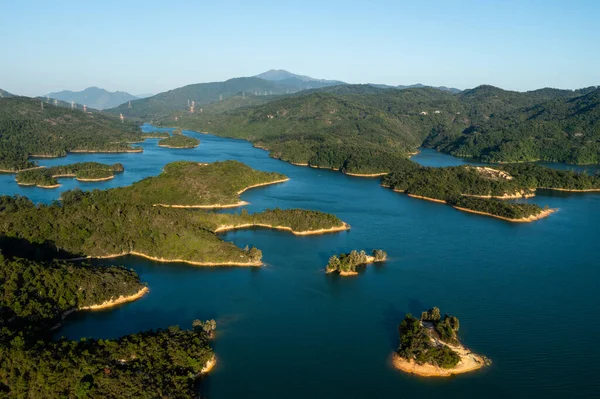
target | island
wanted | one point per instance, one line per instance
(429, 347)
(35, 296)
(179, 141)
(485, 190)
(346, 264)
(124, 221)
(84, 171)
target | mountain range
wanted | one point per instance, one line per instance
(94, 97)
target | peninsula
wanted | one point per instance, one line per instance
(124, 221)
(85, 171)
(484, 190)
(346, 264)
(429, 347)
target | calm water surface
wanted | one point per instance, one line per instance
(526, 294)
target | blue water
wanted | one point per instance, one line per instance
(526, 294)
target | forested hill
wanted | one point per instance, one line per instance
(548, 124)
(27, 129)
(364, 129)
(163, 104)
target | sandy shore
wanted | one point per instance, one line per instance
(532, 218)
(366, 174)
(209, 365)
(42, 156)
(345, 226)
(590, 190)
(183, 147)
(426, 198)
(505, 196)
(107, 151)
(20, 170)
(468, 362)
(37, 185)
(346, 274)
(239, 203)
(98, 179)
(263, 184)
(118, 301)
(164, 260)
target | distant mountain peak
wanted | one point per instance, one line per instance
(277, 75)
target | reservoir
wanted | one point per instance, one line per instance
(525, 294)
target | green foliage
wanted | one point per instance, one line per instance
(379, 255)
(34, 295)
(86, 170)
(124, 220)
(509, 210)
(432, 314)
(347, 263)
(26, 129)
(416, 344)
(191, 183)
(179, 141)
(162, 363)
(550, 125)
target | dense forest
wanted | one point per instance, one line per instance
(27, 129)
(192, 183)
(124, 220)
(179, 141)
(36, 295)
(47, 177)
(416, 341)
(359, 128)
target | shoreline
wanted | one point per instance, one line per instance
(344, 227)
(366, 174)
(97, 179)
(543, 214)
(118, 301)
(502, 197)
(426, 198)
(209, 365)
(105, 151)
(163, 260)
(263, 184)
(182, 148)
(468, 362)
(589, 190)
(240, 203)
(37, 185)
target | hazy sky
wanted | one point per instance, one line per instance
(152, 46)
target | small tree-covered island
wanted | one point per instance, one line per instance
(429, 347)
(84, 171)
(128, 220)
(179, 141)
(347, 264)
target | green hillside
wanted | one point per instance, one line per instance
(565, 128)
(27, 129)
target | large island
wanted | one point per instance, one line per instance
(36, 296)
(127, 220)
(429, 347)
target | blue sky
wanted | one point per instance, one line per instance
(151, 46)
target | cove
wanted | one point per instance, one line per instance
(521, 291)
